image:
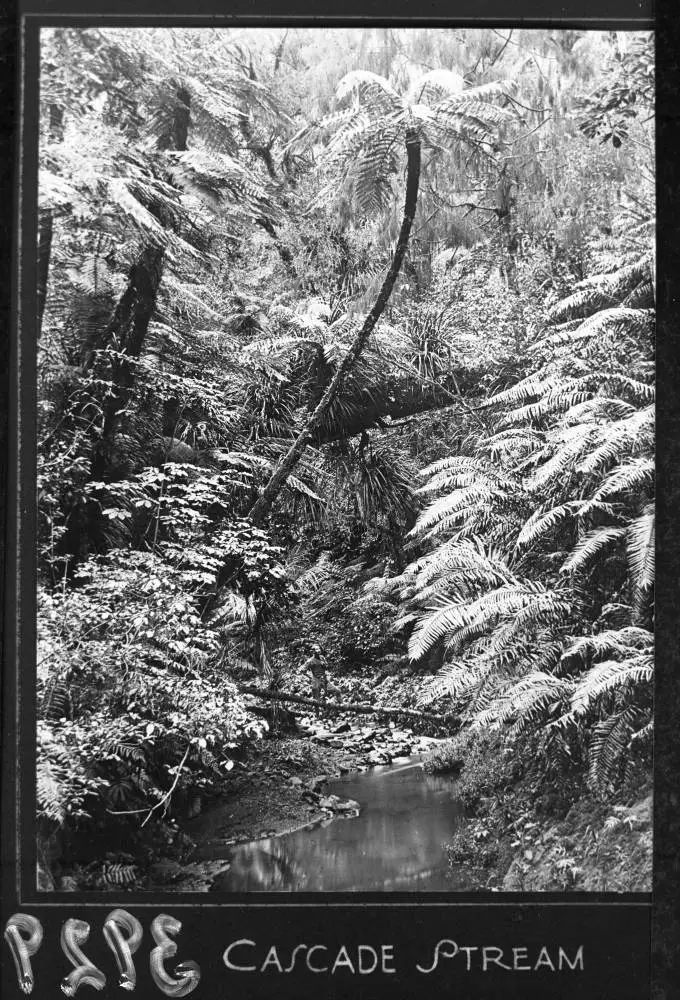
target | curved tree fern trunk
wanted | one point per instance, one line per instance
(263, 504)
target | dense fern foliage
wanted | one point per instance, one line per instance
(538, 582)
(219, 210)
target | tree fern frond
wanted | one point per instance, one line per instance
(454, 463)
(643, 735)
(370, 88)
(458, 623)
(605, 678)
(120, 194)
(610, 740)
(608, 643)
(435, 84)
(542, 522)
(448, 508)
(526, 700)
(590, 546)
(483, 93)
(628, 477)
(597, 408)
(564, 460)
(615, 322)
(514, 443)
(534, 385)
(601, 291)
(534, 699)
(455, 680)
(640, 539)
(470, 557)
(624, 437)
(555, 401)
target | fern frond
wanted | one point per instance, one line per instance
(117, 874)
(532, 386)
(605, 678)
(625, 437)
(542, 522)
(525, 700)
(611, 642)
(640, 539)
(609, 742)
(457, 624)
(590, 546)
(370, 89)
(453, 464)
(472, 558)
(50, 793)
(631, 476)
(435, 84)
(455, 680)
(563, 462)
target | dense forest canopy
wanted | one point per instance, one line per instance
(346, 337)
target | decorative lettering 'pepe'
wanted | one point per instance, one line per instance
(123, 934)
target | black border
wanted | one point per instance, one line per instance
(21, 454)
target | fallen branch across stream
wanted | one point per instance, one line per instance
(360, 708)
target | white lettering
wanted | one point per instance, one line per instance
(578, 959)
(544, 959)
(373, 955)
(236, 944)
(520, 955)
(387, 951)
(271, 959)
(342, 960)
(439, 950)
(293, 957)
(487, 958)
(468, 952)
(314, 968)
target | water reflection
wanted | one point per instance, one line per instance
(396, 843)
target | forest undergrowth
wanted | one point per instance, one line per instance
(346, 339)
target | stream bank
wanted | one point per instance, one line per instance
(278, 787)
(524, 833)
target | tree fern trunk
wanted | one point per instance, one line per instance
(127, 333)
(46, 222)
(263, 504)
(45, 231)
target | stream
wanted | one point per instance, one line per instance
(397, 842)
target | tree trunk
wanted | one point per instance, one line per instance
(354, 707)
(128, 328)
(45, 232)
(263, 504)
(46, 222)
(126, 333)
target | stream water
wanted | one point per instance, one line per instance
(397, 842)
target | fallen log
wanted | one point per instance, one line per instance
(360, 708)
